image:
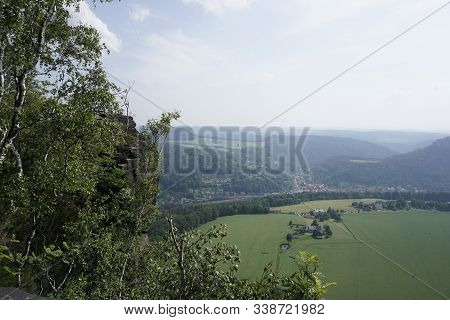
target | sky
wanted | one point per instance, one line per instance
(243, 62)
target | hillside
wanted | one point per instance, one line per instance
(319, 149)
(399, 141)
(427, 168)
(219, 168)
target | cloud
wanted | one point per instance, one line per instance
(249, 67)
(86, 16)
(178, 56)
(308, 15)
(139, 13)
(218, 7)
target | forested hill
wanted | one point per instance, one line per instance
(319, 149)
(427, 168)
(399, 141)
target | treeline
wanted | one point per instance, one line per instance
(329, 214)
(430, 205)
(182, 186)
(402, 205)
(188, 217)
(294, 198)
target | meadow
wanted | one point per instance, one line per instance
(382, 255)
(258, 238)
(345, 204)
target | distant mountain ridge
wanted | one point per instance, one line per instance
(427, 168)
(319, 149)
(399, 141)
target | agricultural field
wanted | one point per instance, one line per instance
(258, 238)
(219, 144)
(345, 204)
(382, 255)
(364, 161)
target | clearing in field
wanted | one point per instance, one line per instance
(383, 255)
(345, 204)
(364, 161)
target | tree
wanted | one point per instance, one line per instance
(73, 217)
(39, 48)
(327, 230)
(289, 237)
(58, 132)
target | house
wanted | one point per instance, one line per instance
(311, 229)
(379, 205)
(316, 211)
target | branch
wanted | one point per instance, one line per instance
(67, 153)
(180, 250)
(8, 139)
(2, 72)
(126, 104)
(51, 13)
(18, 160)
(66, 276)
(27, 251)
(50, 280)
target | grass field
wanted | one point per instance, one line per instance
(258, 238)
(345, 204)
(383, 255)
(364, 161)
(219, 144)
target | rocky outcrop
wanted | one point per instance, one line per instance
(11, 293)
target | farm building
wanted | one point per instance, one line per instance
(379, 205)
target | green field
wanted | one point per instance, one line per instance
(364, 161)
(345, 204)
(383, 255)
(219, 144)
(258, 238)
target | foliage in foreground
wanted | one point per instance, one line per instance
(78, 187)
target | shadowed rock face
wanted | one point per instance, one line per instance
(128, 153)
(128, 123)
(10, 293)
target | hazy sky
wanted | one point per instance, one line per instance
(242, 62)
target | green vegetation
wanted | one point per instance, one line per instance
(364, 161)
(344, 204)
(189, 217)
(79, 187)
(79, 183)
(395, 255)
(220, 144)
(410, 248)
(258, 237)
